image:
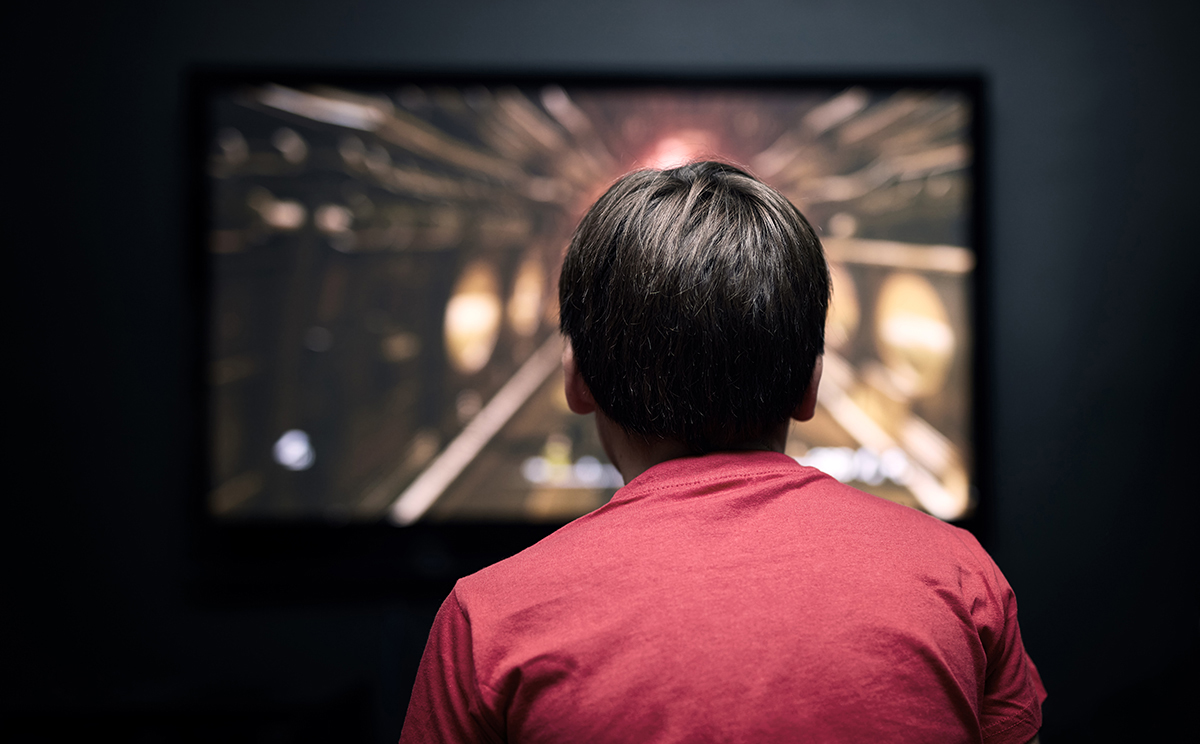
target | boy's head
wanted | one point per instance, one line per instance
(695, 300)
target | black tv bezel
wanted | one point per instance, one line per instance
(309, 560)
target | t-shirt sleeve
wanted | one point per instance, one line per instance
(1011, 707)
(446, 705)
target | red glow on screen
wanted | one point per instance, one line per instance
(679, 148)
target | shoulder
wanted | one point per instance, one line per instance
(727, 493)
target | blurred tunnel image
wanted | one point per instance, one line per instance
(382, 302)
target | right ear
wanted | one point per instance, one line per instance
(579, 396)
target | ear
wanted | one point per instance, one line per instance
(579, 397)
(808, 404)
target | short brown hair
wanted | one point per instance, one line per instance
(695, 300)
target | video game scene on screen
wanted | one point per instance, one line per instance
(383, 261)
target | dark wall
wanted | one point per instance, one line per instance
(1092, 383)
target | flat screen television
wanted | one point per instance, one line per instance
(381, 392)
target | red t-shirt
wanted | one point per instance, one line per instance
(736, 597)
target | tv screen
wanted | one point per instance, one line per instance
(380, 257)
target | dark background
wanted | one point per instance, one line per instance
(1092, 381)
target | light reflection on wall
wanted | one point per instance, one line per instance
(528, 294)
(473, 319)
(913, 334)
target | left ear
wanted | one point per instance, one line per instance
(808, 404)
(579, 396)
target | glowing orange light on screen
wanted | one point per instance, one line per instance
(679, 148)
